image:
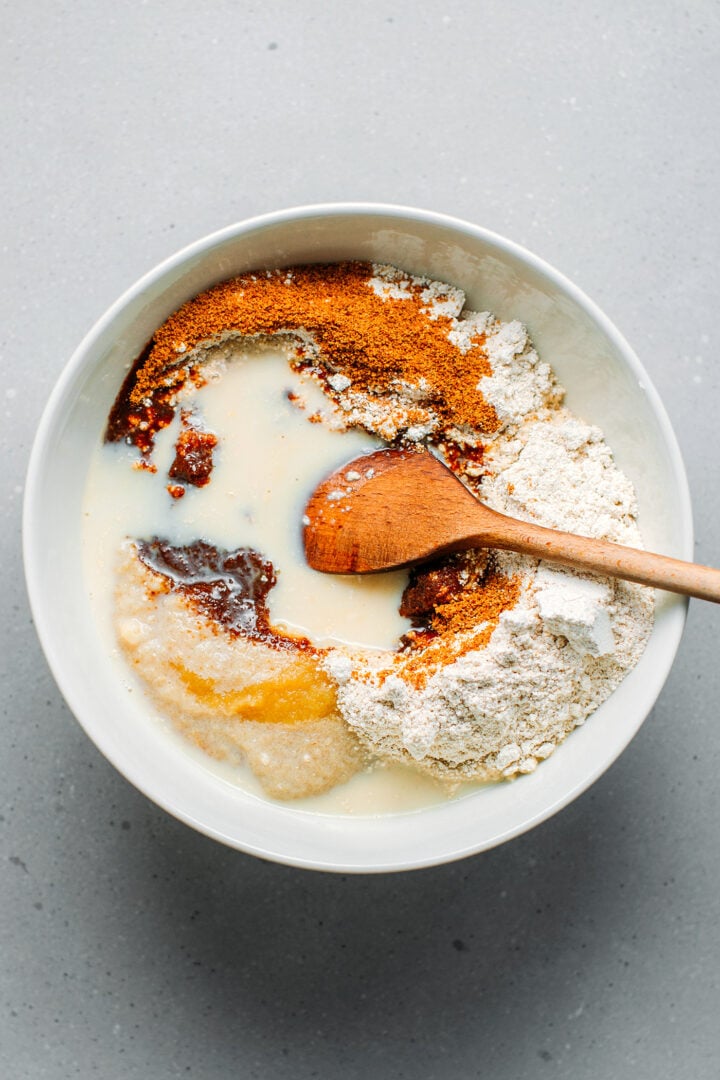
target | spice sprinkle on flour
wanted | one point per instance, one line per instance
(474, 668)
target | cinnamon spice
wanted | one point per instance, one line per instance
(459, 623)
(475, 607)
(375, 342)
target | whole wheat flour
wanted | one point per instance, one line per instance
(568, 641)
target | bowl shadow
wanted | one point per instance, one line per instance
(334, 971)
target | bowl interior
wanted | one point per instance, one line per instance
(606, 385)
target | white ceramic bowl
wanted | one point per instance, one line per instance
(606, 385)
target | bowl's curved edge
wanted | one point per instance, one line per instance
(676, 616)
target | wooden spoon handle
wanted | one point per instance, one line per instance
(604, 557)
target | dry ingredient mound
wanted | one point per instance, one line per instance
(395, 352)
(553, 656)
(507, 655)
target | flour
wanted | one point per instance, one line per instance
(496, 712)
(577, 609)
(559, 472)
(500, 710)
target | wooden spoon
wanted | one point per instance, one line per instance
(396, 508)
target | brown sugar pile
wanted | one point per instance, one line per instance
(457, 606)
(474, 607)
(377, 342)
(193, 462)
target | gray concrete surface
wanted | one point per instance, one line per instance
(133, 947)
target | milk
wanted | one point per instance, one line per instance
(269, 459)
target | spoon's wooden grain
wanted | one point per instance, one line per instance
(396, 508)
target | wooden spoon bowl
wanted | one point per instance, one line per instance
(396, 508)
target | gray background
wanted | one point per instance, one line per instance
(131, 946)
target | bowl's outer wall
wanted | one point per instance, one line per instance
(605, 383)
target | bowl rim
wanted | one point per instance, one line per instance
(204, 244)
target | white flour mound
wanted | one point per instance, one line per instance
(502, 709)
(569, 640)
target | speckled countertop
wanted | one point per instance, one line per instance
(134, 947)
